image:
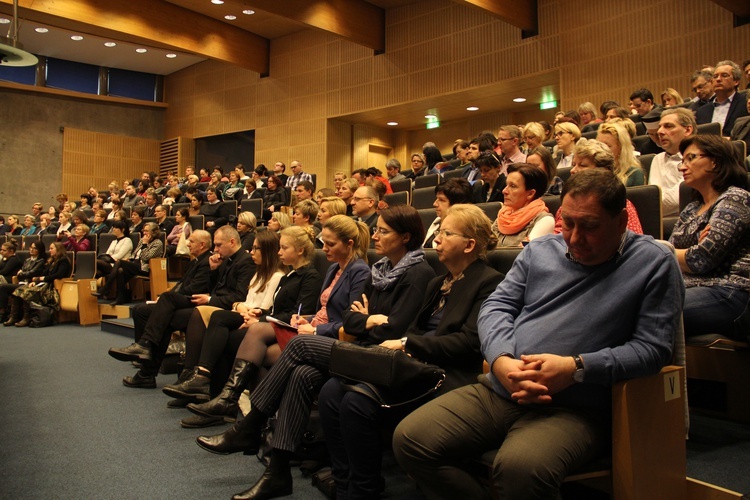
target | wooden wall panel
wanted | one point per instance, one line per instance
(95, 159)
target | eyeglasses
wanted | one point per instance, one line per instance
(448, 234)
(357, 198)
(690, 158)
(500, 139)
(382, 232)
(560, 134)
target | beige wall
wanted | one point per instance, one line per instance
(603, 50)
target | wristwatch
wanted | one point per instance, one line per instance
(578, 374)
(403, 343)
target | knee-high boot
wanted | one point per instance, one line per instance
(26, 314)
(15, 309)
(226, 403)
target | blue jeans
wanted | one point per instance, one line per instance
(716, 309)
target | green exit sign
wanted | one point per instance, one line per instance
(548, 105)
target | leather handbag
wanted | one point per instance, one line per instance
(389, 377)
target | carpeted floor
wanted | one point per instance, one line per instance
(70, 429)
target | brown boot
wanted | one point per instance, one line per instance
(26, 315)
(13, 316)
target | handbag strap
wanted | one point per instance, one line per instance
(374, 393)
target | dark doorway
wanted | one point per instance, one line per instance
(226, 150)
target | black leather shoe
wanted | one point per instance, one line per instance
(231, 441)
(217, 407)
(196, 422)
(140, 381)
(133, 352)
(272, 484)
(196, 386)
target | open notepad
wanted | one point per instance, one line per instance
(284, 331)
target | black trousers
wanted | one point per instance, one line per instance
(156, 322)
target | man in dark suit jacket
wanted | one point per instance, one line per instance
(702, 85)
(741, 129)
(218, 280)
(727, 77)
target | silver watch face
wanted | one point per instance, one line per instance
(578, 375)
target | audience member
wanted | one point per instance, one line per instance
(177, 239)
(675, 125)
(364, 202)
(274, 197)
(121, 248)
(566, 136)
(712, 238)
(642, 101)
(278, 170)
(279, 221)
(509, 137)
(523, 215)
(298, 176)
(541, 157)
(728, 104)
(346, 192)
(32, 267)
(10, 264)
(493, 181)
(670, 97)
(627, 167)
(304, 191)
(447, 193)
(701, 84)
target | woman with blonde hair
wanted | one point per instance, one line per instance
(279, 221)
(587, 112)
(329, 206)
(346, 191)
(670, 97)
(627, 167)
(566, 136)
(533, 135)
(246, 225)
(305, 213)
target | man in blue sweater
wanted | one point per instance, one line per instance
(576, 313)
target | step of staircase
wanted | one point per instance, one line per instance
(119, 326)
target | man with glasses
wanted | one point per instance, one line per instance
(297, 175)
(364, 202)
(643, 101)
(165, 225)
(701, 84)
(229, 269)
(728, 104)
(508, 138)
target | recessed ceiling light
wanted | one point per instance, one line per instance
(110, 44)
(392, 124)
(430, 116)
(41, 30)
(141, 51)
(249, 12)
(171, 56)
(217, 2)
(4, 20)
(77, 38)
(472, 108)
(230, 17)
(519, 99)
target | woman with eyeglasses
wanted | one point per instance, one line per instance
(418, 164)
(523, 215)
(566, 136)
(382, 312)
(712, 238)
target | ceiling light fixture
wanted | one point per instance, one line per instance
(519, 99)
(11, 50)
(392, 124)
(472, 108)
(171, 56)
(141, 51)
(217, 2)
(110, 44)
(249, 12)
(41, 30)
(4, 20)
(76, 38)
(230, 17)
(430, 116)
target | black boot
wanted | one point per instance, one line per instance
(225, 404)
(197, 386)
(276, 480)
(26, 314)
(243, 436)
(14, 310)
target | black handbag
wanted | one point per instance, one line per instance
(390, 377)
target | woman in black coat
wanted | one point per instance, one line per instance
(274, 197)
(32, 266)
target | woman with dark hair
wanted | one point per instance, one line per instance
(523, 216)
(41, 289)
(434, 160)
(494, 182)
(274, 197)
(542, 158)
(712, 238)
(382, 312)
(177, 238)
(10, 264)
(32, 266)
(149, 246)
(196, 202)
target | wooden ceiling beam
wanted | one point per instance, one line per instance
(740, 8)
(155, 23)
(355, 20)
(519, 13)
